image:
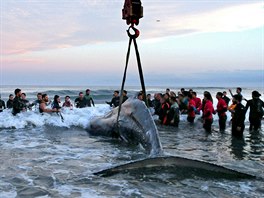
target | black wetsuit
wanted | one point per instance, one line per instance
(226, 99)
(238, 120)
(114, 102)
(2, 105)
(55, 105)
(18, 105)
(9, 104)
(157, 106)
(124, 99)
(81, 103)
(150, 104)
(256, 106)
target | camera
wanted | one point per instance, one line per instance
(132, 11)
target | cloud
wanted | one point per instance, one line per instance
(42, 25)
(227, 19)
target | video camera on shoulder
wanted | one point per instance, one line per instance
(132, 11)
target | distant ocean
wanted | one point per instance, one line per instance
(103, 93)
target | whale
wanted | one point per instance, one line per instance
(134, 126)
(179, 166)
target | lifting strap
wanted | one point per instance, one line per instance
(141, 76)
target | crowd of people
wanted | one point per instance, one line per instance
(168, 106)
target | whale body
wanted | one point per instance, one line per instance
(135, 126)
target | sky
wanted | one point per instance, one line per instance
(84, 42)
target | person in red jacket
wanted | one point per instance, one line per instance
(165, 107)
(208, 112)
(191, 109)
(197, 101)
(221, 109)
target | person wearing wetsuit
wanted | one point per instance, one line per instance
(208, 110)
(56, 102)
(256, 106)
(18, 104)
(221, 109)
(150, 104)
(2, 105)
(238, 119)
(9, 103)
(226, 99)
(173, 117)
(115, 100)
(89, 98)
(81, 102)
(124, 96)
(37, 102)
(156, 103)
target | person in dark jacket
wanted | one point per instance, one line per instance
(256, 106)
(115, 100)
(18, 104)
(238, 119)
(2, 105)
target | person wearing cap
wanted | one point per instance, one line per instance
(239, 115)
(2, 105)
(89, 98)
(256, 113)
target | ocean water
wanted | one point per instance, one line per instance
(43, 156)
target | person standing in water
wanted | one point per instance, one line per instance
(56, 102)
(221, 109)
(2, 105)
(9, 103)
(80, 102)
(256, 106)
(18, 104)
(226, 99)
(238, 119)
(208, 110)
(89, 98)
(115, 100)
(43, 105)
